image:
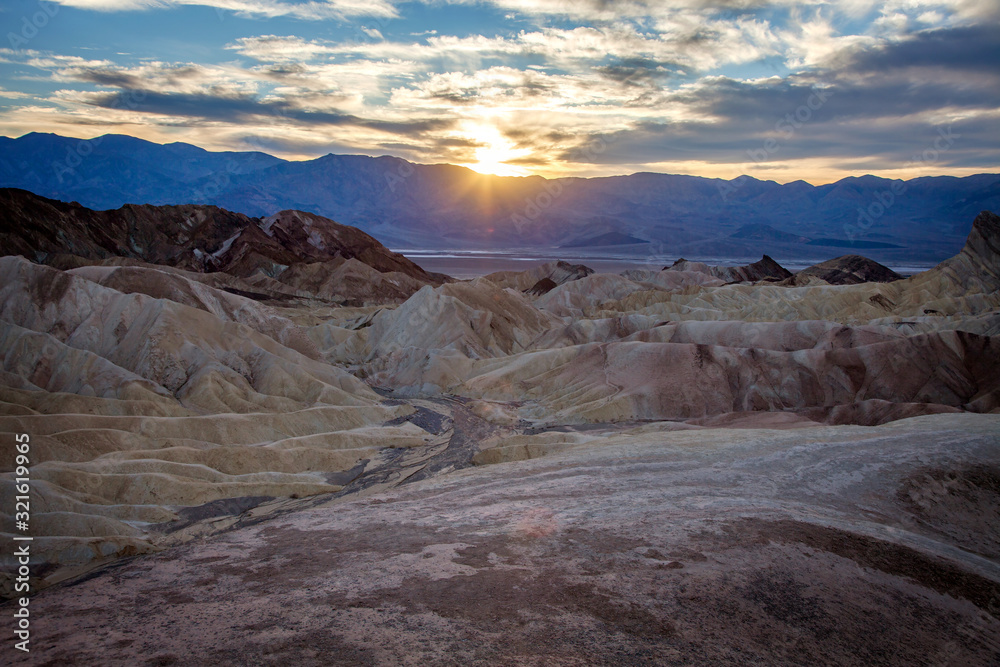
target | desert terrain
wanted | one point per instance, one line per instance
(274, 441)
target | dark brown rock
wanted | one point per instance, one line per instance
(847, 270)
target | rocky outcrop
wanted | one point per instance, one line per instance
(765, 269)
(37, 227)
(351, 282)
(977, 267)
(430, 341)
(202, 239)
(559, 272)
(292, 237)
(216, 354)
(656, 381)
(846, 270)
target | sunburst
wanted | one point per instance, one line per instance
(494, 152)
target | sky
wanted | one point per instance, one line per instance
(719, 88)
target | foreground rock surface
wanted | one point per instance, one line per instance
(650, 546)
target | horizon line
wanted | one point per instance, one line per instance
(489, 175)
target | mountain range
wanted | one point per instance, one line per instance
(444, 206)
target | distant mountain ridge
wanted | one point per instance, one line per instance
(410, 205)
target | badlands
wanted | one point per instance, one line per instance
(274, 441)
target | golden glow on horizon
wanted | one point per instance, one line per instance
(491, 157)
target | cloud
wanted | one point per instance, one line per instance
(494, 87)
(614, 11)
(698, 46)
(823, 151)
(183, 78)
(657, 12)
(14, 94)
(282, 49)
(968, 49)
(304, 9)
(238, 108)
(812, 42)
(778, 124)
(635, 71)
(317, 83)
(723, 100)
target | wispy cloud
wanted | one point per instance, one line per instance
(308, 9)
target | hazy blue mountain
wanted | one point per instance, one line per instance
(409, 205)
(112, 170)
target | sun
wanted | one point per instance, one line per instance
(494, 151)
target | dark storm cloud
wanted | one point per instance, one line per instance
(881, 118)
(635, 71)
(844, 97)
(110, 77)
(526, 85)
(969, 49)
(618, 8)
(115, 78)
(284, 71)
(232, 108)
(971, 142)
(529, 161)
(873, 104)
(456, 142)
